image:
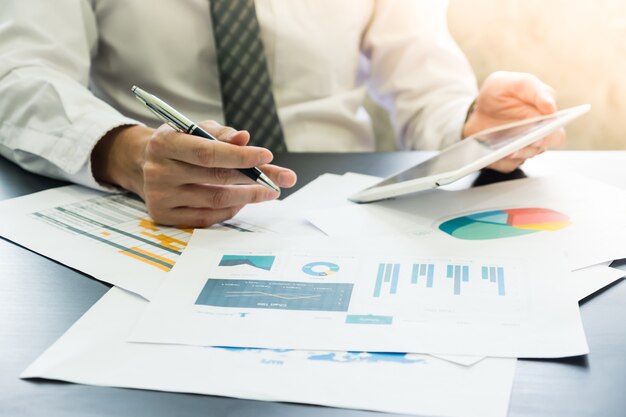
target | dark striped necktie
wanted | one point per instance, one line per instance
(245, 81)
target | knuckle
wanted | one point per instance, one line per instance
(155, 146)
(209, 124)
(205, 154)
(225, 132)
(152, 172)
(156, 213)
(222, 175)
(218, 199)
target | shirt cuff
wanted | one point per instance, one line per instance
(79, 169)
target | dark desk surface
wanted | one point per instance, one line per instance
(40, 299)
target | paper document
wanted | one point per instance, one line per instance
(94, 352)
(110, 236)
(399, 294)
(585, 282)
(556, 211)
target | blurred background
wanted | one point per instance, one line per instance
(577, 46)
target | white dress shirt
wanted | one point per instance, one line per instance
(67, 66)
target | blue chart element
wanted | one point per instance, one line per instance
(351, 357)
(389, 273)
(278, 295)
(320, 269)
(423, 270)
(337, 357)
(495, 274)
(459, 273)
(261, 262)
(368, 319)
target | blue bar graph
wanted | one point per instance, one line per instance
(389, 277)
(495, 274)
(460, 273)
(465, 273)
(415, 273)
(387, 273)
(379, 280)
(423, 270)
(501, 281)
(431, 274)
(394, 279)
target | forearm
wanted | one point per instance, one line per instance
(49, 120)
(419, 72)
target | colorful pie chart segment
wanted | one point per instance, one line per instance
(320, 269)
(499, 224)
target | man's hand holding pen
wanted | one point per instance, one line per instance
(187, 180)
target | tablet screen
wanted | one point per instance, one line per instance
(469, 155)
(470, 150)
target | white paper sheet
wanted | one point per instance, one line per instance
(110, 236)
(365, 295)
(602, 247)
(585, 282)
(572, 212)
(94, 352)
(328, 190)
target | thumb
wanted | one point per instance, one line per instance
(538, 94)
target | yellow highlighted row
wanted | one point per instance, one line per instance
(162, 267)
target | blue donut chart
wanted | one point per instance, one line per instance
(320, 269)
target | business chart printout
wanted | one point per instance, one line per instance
(384, 294)
(557, 211)
(108, 236)
(388, 382)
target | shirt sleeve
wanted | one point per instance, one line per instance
(49, 120)
(418, 72)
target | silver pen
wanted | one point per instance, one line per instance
(174, 118)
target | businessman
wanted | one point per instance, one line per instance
(269, 75)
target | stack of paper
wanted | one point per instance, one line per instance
(444, 289)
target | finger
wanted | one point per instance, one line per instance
(195, 217)
(225, 133)
(535, 92)
(168, 144)
(527, 152)
(283, 177)
(218, 197)
(175, 173)
(506, 165)
(555, 139)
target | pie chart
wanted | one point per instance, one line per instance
(497, 224)
(320, 269)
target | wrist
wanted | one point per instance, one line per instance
(118, 157)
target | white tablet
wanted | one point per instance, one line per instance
(469, 155)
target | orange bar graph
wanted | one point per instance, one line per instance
(150, 258)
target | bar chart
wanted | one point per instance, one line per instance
(122, 223)
(451, 278)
